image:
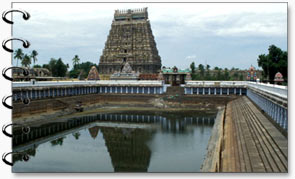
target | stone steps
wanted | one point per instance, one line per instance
(175, 90)
(251, 142)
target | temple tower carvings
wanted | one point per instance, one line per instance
(130, 40)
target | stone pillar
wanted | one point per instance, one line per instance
(285, 126)
(137, 90)
(31, 95)
(220, 92)
(203, 91)
(116, 90)
(191, 90)
(240, 91)
(131, 89)
(214, 91)
(227, 91)
(235, 91)
(111, 89)
(148, 90)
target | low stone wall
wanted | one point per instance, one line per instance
(66, 105)
(213, 159)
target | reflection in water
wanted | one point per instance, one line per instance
(58, 141)
(128, 149)
(129, 142)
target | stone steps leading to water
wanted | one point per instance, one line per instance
(175, 90)
(251, 142)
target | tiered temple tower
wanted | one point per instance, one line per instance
(130, 40)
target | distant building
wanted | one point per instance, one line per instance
(93, 74)
(278, 78)
(251, 74)
(125, 74)
(39, 74)
(175, 76)
(130, 40)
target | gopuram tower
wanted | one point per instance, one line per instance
(130, 40)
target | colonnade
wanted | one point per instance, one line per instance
(51, 92)
(215, 90)
(277, 112)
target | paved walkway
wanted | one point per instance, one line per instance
(251, 142)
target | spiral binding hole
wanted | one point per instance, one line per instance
(26, 100)
(26, 44)
(25, 157)
(26, 15)
(25, 72)
(25, 129)
(4, 102)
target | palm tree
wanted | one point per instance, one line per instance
(33, 55)
(76, 135)
(26, 61)
(18, 55)
(76, 60)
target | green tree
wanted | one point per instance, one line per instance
(76, 60)
(202, 70)
(219, 75)
(46, 66)
(83, 68)
(235, 76)
(58, 141)
(193, 67)
(76, 135)
(51, 67)
(207, 76)
(61, 68)
(26, 61)
(275, 61)
(226, 74)
(37, 66)
(34, 56)
(241, 77)
(18, 55)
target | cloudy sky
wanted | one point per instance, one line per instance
(218, 34)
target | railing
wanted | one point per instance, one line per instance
(278, 90)
(216, 83)
(86, 82)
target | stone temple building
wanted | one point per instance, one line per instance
(130, 40)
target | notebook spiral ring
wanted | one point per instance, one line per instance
(26, 100)
(25, 157)
(25, 72)
(26, 44)
(25, 129)
(26, 15)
